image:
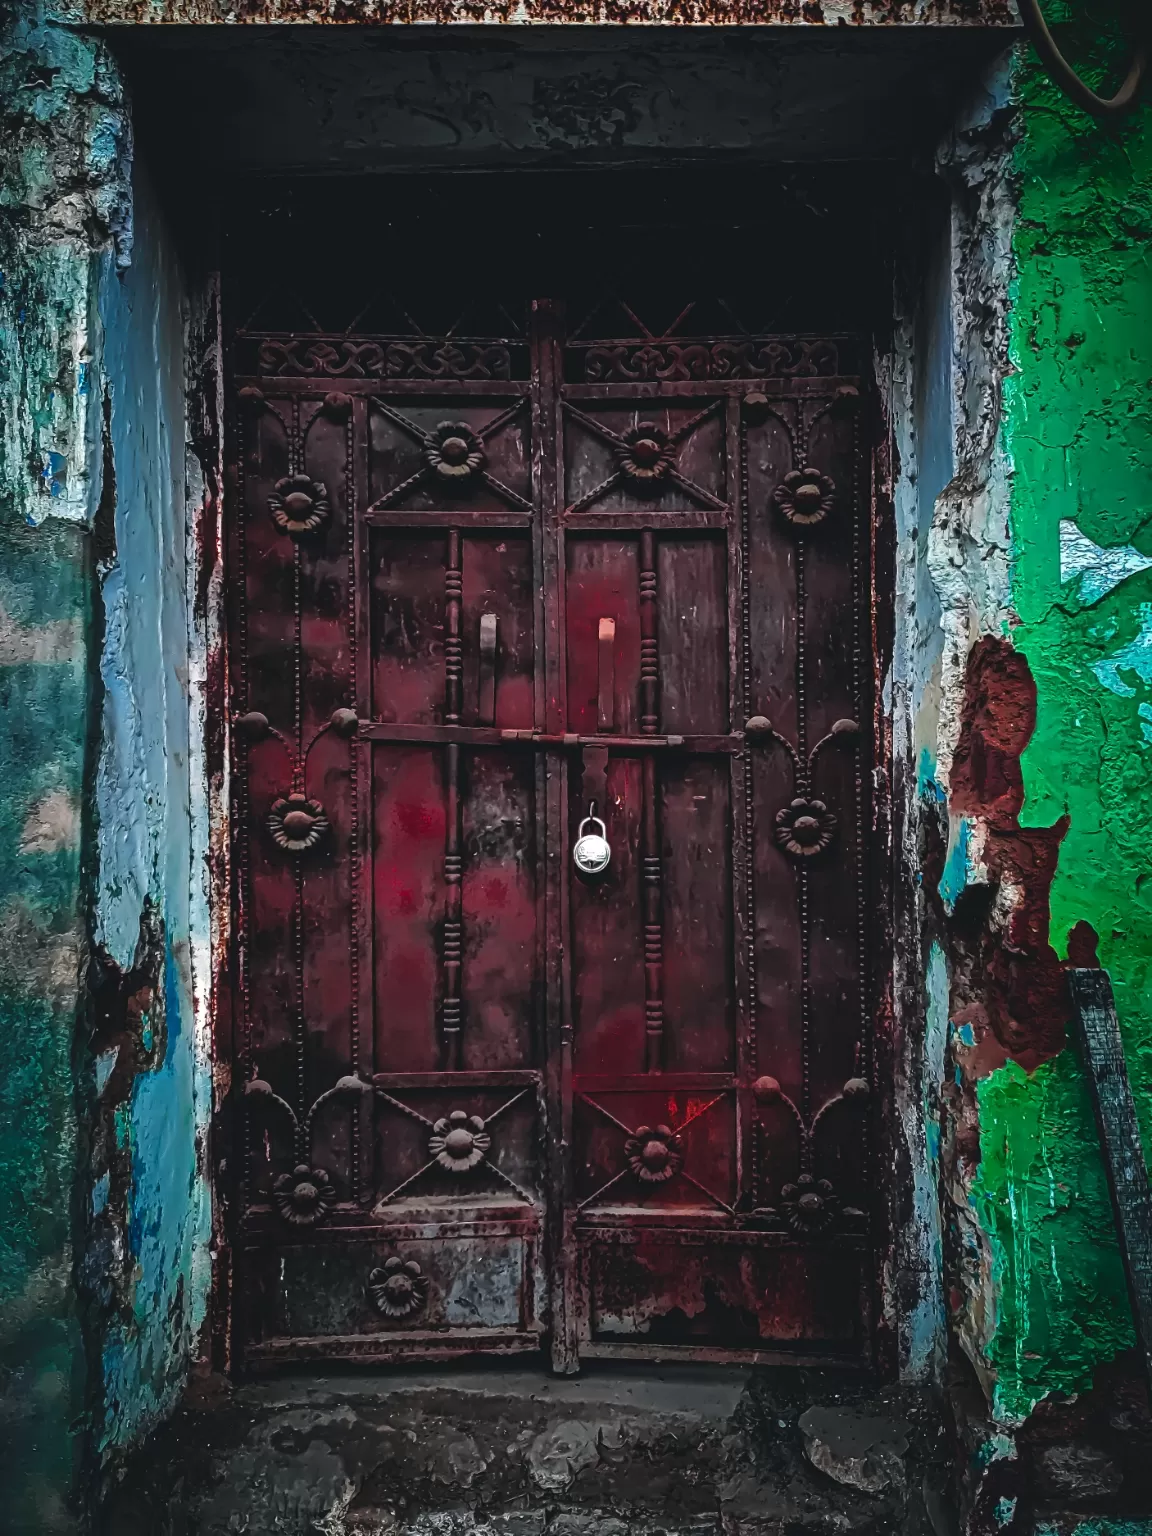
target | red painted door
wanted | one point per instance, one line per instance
(488, 596)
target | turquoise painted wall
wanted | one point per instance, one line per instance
(103, 1206)
(48, 453)
(144, 842)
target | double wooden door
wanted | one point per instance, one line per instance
(485, 594)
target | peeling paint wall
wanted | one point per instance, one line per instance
(150, 1215)
(950, 511)
(1078, 426)
(1022, 692)
(103, 1206)
(916, 382)
(63, 196)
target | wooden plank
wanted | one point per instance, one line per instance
(664, 389)
(404, 1222)
(552, 713)
(489, 736)
(318, 385)
(427, 1345)
(509, 1077)
(645, 1082)
(455, 517)
(1098, 1034)
(361, 937)
(697, 1354)
(635, 520)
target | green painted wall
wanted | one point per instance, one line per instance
(1078, 425)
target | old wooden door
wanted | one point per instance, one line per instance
(489, 594)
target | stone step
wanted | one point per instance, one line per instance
(674, 1451)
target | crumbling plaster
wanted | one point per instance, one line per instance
(1077, 424)
(1020, 700)
(157, 1112)
(102, 1188)
(949, 495)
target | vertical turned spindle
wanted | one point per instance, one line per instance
(452, 1009)
(649, 650)
(650, 832)
(653, 925)
(453, 646)
(453, 927)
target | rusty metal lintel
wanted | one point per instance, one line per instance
(615, 14)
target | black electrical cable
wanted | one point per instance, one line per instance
(1069, 81)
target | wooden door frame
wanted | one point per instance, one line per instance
(889, 879)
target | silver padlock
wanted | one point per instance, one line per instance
(591, 851)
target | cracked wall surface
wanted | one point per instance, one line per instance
(149, 1119)
(1021, 704)
(63, 196)
(1078, 415)
(102, 1196)
(1023, 673)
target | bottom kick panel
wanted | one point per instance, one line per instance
(395, 1296)
(422, 1346)
(667, 1288)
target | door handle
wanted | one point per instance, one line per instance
(606, 680)
(486, 707)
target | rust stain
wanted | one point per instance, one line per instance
(1010, 984)
(704, 13)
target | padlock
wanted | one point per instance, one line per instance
(591, 851)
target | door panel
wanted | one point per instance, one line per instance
(692, 633)
(700, 1002)
(481, 590)
(408, 469)
(407, 624)
(408, 902)
(603, 675)
(498, 583)
(701, 1292)
(619, 454)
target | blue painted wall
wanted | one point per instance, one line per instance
(103, 1097)
(143, 842)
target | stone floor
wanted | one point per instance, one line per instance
(674, 1451)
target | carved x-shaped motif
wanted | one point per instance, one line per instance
(427, 441)
(625, 448)
(633, 1134)
(435, 1159)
